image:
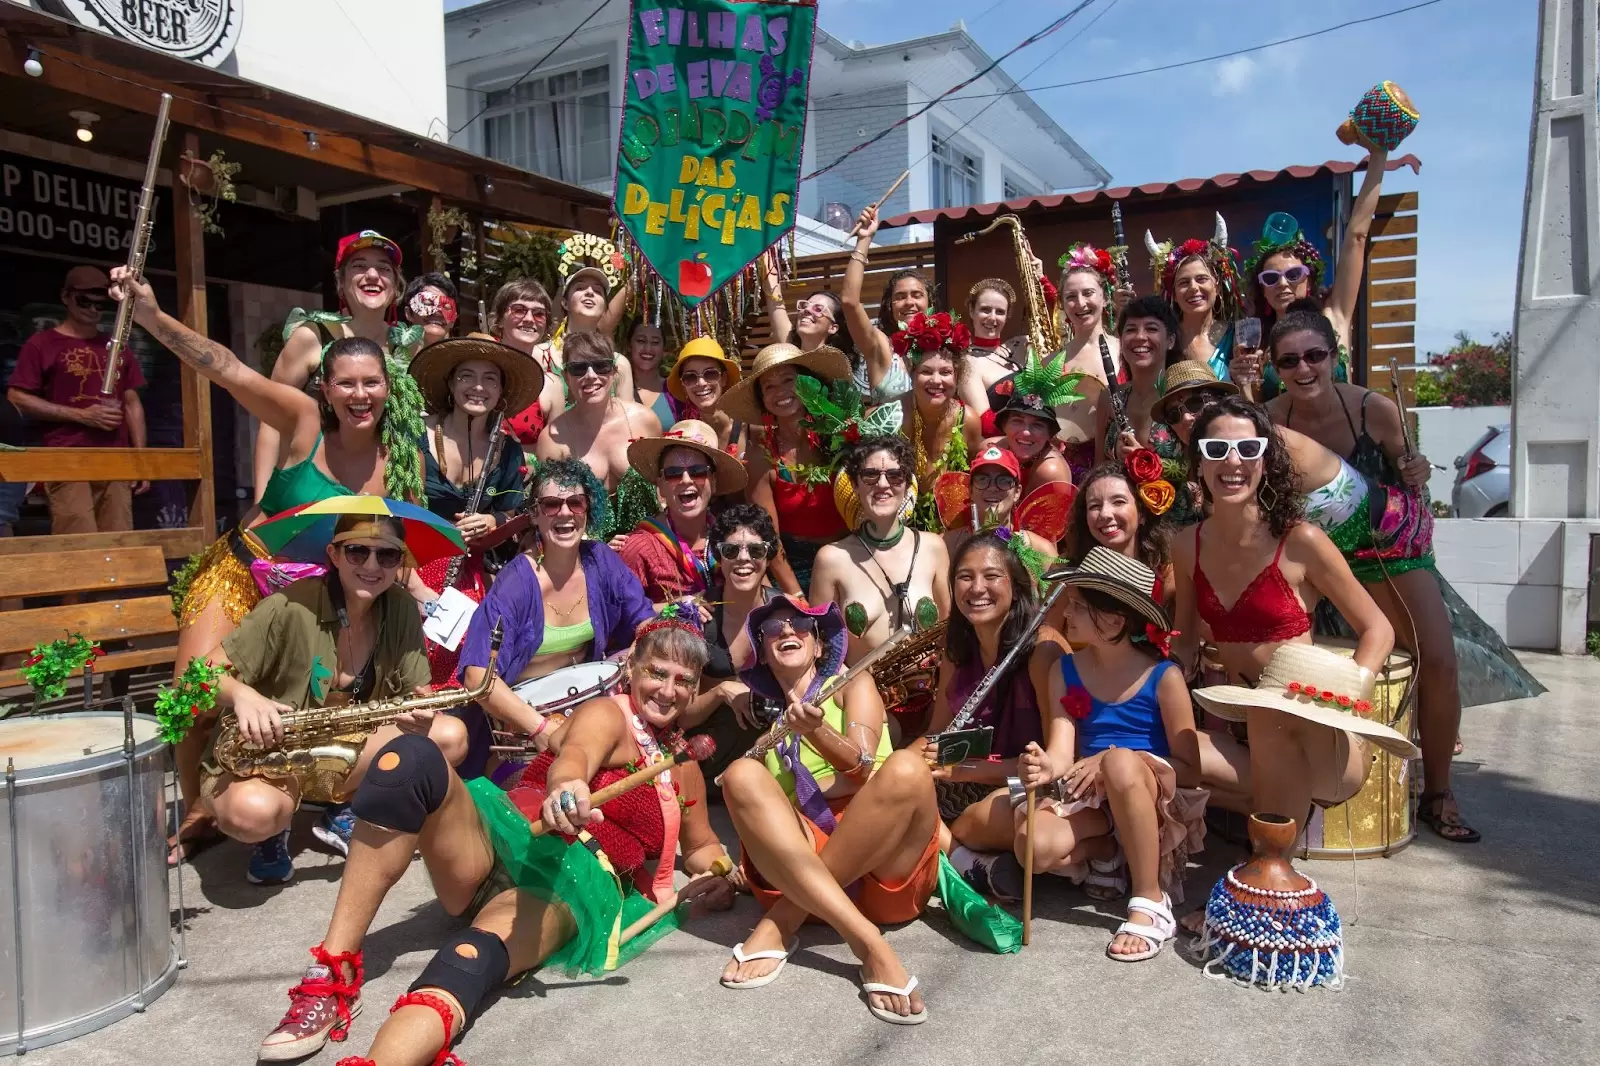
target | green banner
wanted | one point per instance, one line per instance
(708, 162)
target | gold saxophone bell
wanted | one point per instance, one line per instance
(1043, 333)
(908, 676)
(321, 744)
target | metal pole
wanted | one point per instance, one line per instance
(133, 853)
(177, 821)
(16, 898)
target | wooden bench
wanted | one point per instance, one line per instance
(140, 610)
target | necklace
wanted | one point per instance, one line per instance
(875, 544)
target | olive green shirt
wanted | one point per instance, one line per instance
(291, 636)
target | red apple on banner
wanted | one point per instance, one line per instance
(694, 278)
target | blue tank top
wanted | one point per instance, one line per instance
(1134, 723)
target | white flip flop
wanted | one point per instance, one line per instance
(884, 1014)
(1162, 929)
(741, 957)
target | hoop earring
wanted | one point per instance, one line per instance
(1261, 496)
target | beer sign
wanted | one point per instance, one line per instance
(204, 31)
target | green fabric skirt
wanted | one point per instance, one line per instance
(581, 880)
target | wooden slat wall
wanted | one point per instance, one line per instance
(826, 271)
(1391, 310)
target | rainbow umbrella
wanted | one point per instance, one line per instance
(302, 534)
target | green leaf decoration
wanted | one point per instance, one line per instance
(321, 679)
(1048, 381)
(855, 618)
(53, 663)
(194, 693)
(927, 614)
(324, 319)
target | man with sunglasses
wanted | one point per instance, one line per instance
(598, 428)
(668, 552)
(57, 383)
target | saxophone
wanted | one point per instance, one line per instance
(321, 744)
(1044, 336)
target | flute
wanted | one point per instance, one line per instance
(776, 735)
(138, 247)
(969, 710)
(497, 439)
(1119, 402)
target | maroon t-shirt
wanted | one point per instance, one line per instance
(68, 371)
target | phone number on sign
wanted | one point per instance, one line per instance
(40, 226)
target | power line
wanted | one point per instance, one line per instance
(1039, 36)
(528, 73)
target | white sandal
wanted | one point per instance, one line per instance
(1162, 928)
(741, 957)
(884, 1014)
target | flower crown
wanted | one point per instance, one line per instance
(926, 334)
(999, 285)
(1085, 256)
(1048, 382)
(1166, 257)
(1297, 246)
(837, 417)
(682, 614)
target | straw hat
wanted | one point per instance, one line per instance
(702, 348)
(521, 377)
(1127, 580)
(644, 454)
(1184, 376)
(1313, 683)
(829, 363)
(830, 628)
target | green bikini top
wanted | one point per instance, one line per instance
(561, 639)
(303, 482)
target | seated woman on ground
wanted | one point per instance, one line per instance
(830, 806)
(1122, 755)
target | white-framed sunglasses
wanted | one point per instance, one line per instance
(1248, 449)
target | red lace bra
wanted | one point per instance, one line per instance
(1266, 612)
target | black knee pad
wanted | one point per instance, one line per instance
(469, 966)
(405, 783)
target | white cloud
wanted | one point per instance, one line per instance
(1234, 75)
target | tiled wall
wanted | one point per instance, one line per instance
(1527, 578)
(253, 308)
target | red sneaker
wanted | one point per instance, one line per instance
(321, 1008)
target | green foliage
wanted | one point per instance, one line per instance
(1591, 642)
(525, 255)
(54, 662)
(1428, 392)
(1475, 374)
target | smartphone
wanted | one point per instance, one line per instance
(963, 744)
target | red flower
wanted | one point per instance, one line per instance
(1077, 703)
(1293, 687)
(97, 651)
(928, 341)
(852, 432)
(194, 710)
(1363, 707)
(32, 660)
(1346, 702)
(522, 471)
(901, 342)
(1191, 247)
(1327, 694)
(1144, 465)
(942, 320)
(814, 438)
(204, 687)
(960, 335)
(1160, 639)
(917, 322)
(1102, 260)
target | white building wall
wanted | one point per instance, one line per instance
(864, 176)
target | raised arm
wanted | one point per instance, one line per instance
(777, 313)
(1341, 302)
(870, 341)
(290, 411)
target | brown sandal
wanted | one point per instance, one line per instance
(197, 832)
(1448, 825)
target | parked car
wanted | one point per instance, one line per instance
(1483, 477)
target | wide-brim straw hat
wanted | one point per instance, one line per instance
(521, 377)
(702, 348)
(1187, 375)
(644, 454)
(827, 363)
(1313, 683)
(830, 628)
(1127, 580)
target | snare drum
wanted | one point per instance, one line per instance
(85, 924)
(1376, 821)
(563, 691)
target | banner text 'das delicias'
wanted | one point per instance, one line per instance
(709, 158)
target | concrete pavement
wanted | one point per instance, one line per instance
(1456, 954)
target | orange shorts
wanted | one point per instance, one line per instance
(881, 903)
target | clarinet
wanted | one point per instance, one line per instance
(1119, 402)
(497, 440)
(1119, 250)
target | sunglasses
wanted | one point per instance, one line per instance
(1003, 482)
(815, 310)
(1246, 448)
(697, 472)
(800, 625)
(600, 370)
(550, 506)
(695, 377)
(730, 551)
(1311, 357)
(1191, 404)
(532, 314)
(1294, 276)
(89, 296)
(358, 554)
(893, 478)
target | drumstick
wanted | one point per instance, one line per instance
(700, 747)
(879, 201)
(721, 868)
(1027, 875)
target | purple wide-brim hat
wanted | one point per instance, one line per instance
(830, 626)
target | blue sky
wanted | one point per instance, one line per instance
(1468, 64)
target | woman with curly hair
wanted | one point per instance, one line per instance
(564, 600)
(1252, 572)
(906, 293)
(942, 430)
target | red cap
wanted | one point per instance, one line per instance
(367, 238)
(994, 455)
